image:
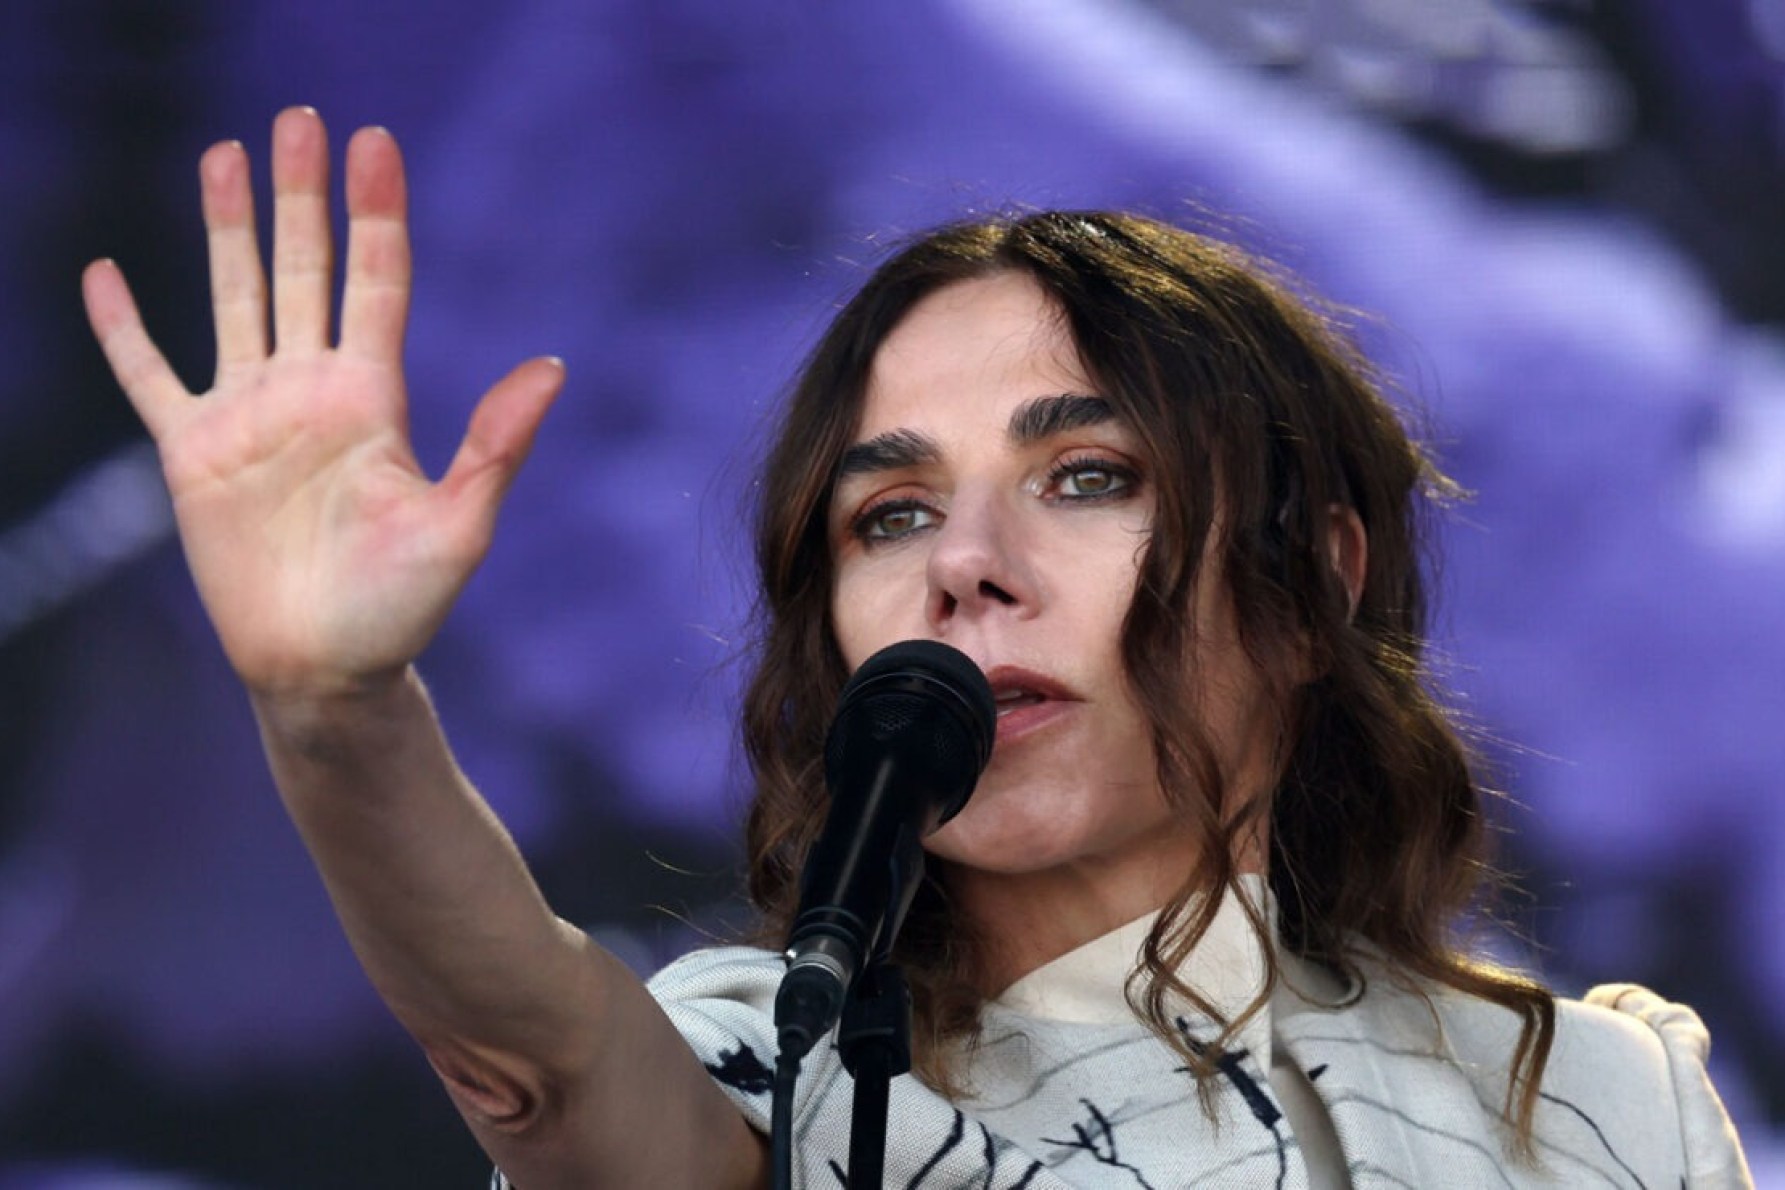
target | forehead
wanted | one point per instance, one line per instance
(986, 344)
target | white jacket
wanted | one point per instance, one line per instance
(1411, 1086)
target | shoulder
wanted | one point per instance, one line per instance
(1617, 1031)
(1670, 1046)
(737, 973)
(1606, 1034)
(1673, 1029)
(1625, 1062)
(721, 1000)
(1616, 1036)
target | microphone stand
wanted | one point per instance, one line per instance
(874, 1042)
(873, 1034)
(913, 731)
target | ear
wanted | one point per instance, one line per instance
(1348, 551)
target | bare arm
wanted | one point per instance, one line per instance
(326, 561)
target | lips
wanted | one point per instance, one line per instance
(1026, 700)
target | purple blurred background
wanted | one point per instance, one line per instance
(1564, 218)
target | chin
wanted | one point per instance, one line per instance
(1028, 836)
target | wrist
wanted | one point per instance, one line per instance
(341, 720)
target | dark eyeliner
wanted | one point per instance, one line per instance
(862, 524)
(1066, 468)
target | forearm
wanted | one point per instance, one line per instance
(554, 1052)
(432, 892)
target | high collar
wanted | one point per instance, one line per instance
(1228, 967)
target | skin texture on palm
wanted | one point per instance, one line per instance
(324, 556)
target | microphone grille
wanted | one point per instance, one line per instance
(926, 703)
(890, 715)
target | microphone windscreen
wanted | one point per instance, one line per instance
(928, 705)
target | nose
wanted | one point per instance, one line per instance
(978, 565)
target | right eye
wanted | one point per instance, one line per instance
(891, 520)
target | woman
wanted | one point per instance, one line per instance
(1162, 507)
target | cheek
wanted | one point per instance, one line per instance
(1242, 718)
(866, 607)
(843, 629)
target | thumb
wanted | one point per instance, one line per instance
(496, 443)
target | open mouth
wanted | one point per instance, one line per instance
(1015, 689)
(1010, 700)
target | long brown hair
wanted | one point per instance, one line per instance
(1250, 399)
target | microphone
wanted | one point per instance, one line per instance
(913, 731)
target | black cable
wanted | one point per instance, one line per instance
(787, 1074)
(867, 1124)
(806, 1004)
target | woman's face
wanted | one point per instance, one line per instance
(993, 501)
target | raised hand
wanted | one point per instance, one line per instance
(324, 556)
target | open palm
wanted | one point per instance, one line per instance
(324, 556)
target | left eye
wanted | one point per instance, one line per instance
(1084, 481)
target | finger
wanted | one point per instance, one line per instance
(501, 433)
(302, 251)
(375, 300)
(238, 284)
(141, 369)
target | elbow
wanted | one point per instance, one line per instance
(491, 1094)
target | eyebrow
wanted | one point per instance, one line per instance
(1031, 422)
(1044, 417)
(891, 451)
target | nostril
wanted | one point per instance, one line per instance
(991, 590)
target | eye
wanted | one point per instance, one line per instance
(1089, 479)
(891, 520)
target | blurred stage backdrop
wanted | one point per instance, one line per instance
(1564, 215)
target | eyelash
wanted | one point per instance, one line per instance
(1124, 476)
(862, 527)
